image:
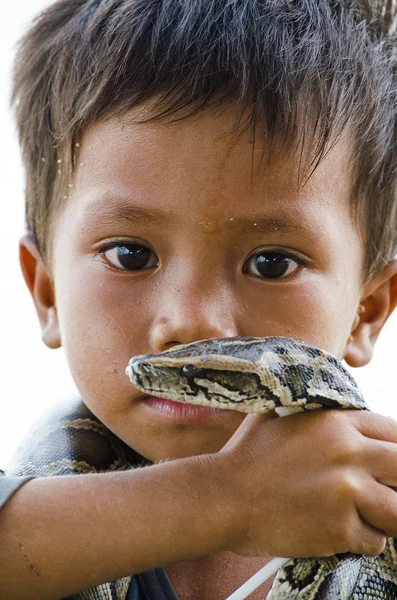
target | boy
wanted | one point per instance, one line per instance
(204, 169)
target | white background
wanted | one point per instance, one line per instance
(33, 377)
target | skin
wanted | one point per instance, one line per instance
(197, 183)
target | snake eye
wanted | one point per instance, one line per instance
(189, 370)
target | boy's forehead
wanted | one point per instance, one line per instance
(208, 160)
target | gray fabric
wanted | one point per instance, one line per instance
(151, 585)
(9, 485)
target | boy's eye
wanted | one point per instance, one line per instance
(130, 257)
(271, 265)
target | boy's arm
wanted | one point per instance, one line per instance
(60, 535)
(311, 484)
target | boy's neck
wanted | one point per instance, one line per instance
(216, 576)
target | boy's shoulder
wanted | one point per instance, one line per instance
(9, 485)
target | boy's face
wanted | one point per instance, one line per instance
(196, 221)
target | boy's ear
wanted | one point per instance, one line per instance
(40, 284)
(377, 304)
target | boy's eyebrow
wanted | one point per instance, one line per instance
(269, 224)
(108, 209)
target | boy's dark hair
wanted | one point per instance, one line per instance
(307, 71)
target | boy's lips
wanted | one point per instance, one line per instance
(181, 412)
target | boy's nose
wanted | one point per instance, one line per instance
(182, 322)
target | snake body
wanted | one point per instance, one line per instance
(244, 374)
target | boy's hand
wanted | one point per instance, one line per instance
(312, 484)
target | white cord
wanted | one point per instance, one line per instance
(256, 580)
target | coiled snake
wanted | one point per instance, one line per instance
(243, 374)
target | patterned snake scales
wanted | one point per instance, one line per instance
(243, 374)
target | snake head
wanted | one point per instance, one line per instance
(219, 373)
(196, 382)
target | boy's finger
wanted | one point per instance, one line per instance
(375, 426)
(250, 423)
(378, 508)
(369, 541)
(380, 460)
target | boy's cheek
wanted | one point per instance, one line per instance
(314, 312)
(98, 347)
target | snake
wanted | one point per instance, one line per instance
(245, 374)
